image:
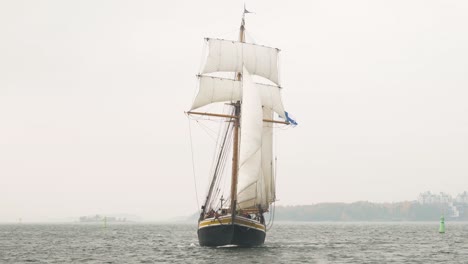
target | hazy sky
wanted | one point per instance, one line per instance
(92, 95)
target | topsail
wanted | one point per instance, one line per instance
(232, 56)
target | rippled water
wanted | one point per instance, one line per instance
(286, 243)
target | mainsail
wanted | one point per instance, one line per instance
(267, 159)
(256, 178)
(249, 188)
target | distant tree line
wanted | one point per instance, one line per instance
(364, 211)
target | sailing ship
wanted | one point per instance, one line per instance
(252, 100)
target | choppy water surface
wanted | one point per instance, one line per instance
(286, 243)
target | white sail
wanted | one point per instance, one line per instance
(214, 90)
(250, 157)
(232, 56)
(267, 158)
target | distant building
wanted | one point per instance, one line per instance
(100, 218)
(462, 198)
(432, 198)
(458, 206)
(445, 198)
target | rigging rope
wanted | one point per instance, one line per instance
(193, 165)
(207, 130)
(275, 179)
(223, 150)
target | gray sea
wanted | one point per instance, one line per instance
(285, 243)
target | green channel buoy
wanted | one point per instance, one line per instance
(442, 225)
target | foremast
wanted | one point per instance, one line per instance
(235, 149)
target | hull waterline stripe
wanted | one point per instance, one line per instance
(227, 221)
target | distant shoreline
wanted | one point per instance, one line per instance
(409, 211)
(279, 222)
(357, 212)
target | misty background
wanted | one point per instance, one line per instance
(93, 94)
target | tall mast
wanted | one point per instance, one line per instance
(235, 151)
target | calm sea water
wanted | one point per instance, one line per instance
(286, 243)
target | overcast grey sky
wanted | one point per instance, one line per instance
(92, 95)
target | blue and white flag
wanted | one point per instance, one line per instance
(290, 119)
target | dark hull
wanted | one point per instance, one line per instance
(221, 235)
